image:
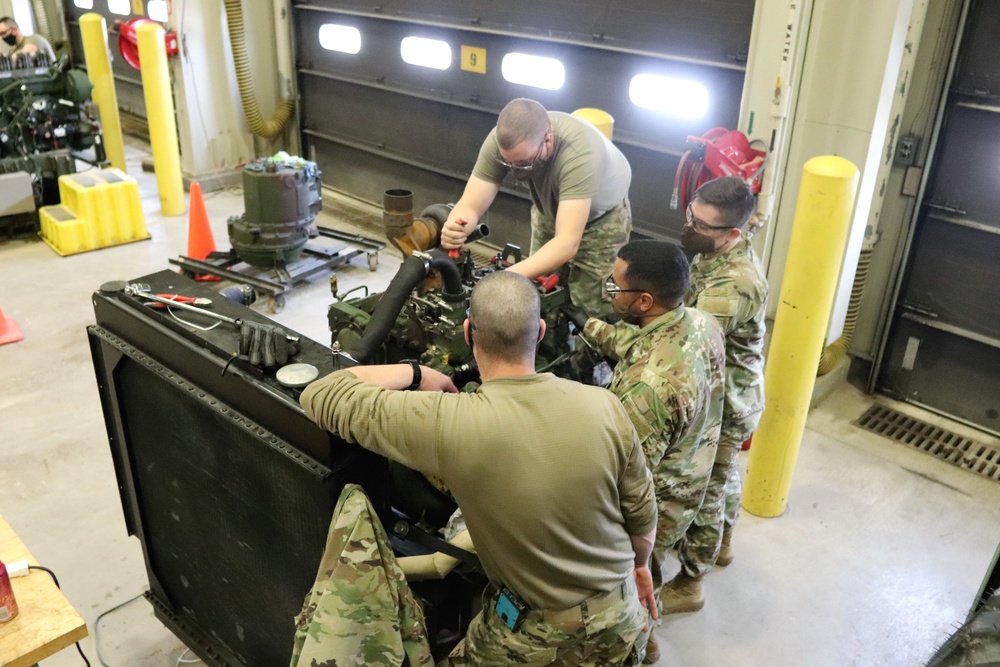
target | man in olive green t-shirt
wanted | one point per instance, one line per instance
(579, 183)
(20, 43)
(549, 474)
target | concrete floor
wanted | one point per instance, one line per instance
(876, 560)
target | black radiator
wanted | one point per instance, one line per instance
(226, 483)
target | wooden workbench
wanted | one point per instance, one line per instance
(46, 621)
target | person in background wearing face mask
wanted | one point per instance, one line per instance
(670, 377)
(578, 182)
(12, 37)
(728, 282)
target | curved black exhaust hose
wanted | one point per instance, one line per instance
(410, 273)
(451, 277)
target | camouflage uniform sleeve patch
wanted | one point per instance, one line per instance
(722, 304)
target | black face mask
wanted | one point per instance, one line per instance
(10, 39)
(625, 312)
(695, 242)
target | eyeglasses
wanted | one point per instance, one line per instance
(612, 287)
(526, 166)
(701, 225)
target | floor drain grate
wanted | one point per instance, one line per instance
(942, 443)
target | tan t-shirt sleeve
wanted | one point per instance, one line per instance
(635, 486)
(372, 417)
(488, 167)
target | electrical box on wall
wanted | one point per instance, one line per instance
(906, 150)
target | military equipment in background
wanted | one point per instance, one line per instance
(45, 114)
(282, 197)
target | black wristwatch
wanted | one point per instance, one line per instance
(417, 374)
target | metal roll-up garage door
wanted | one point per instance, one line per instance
(943, 350)
(374, 122)
(128, 82)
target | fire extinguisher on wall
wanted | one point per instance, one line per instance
(719, 152)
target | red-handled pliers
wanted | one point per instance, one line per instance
(189, 300)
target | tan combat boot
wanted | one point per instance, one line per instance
(652, 650)
(726, 552)
(682, 593)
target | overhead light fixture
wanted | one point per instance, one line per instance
(157, 10)
(120, 7)
(669, 96)
(342, 38)
(424, 52)
(534, 71)
(84, 4)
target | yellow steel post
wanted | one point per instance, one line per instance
(94, 33)
(819, 237)
(599, 118)
(160, 112)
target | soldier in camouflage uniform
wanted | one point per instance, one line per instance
(727, 280)
(360, 611)
(669, 375)
(578, 182)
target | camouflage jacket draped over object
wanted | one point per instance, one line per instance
(360, 611)
(732, 287)
(670, 377)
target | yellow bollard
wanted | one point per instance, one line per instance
(819, 237)
(600, 119)
(94, 33)
(160, 112)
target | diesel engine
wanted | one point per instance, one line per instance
(45, 106)
(421, 314)
(45, 115)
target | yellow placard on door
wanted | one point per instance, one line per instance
(474, 59)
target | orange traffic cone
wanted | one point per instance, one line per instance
(9, 331)
(200, 240)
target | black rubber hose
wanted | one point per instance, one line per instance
(451, 277)
(410, 273)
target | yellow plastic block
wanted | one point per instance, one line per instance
(99, 209)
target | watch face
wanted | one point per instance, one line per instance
(296, 376)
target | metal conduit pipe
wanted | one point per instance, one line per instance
(834, 352)
(268, 129)
(41, 19)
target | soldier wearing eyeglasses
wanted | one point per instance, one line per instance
(670, 376)
(727, 281)
(578, 182)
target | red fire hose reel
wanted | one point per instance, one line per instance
(128, 42)
(719, 152)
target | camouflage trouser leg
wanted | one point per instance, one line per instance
(699, 548)
(665, 526)
(585, 274)
(734, 491)
(613, 636)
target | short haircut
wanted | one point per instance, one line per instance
(731, 197)
(504, 311)
(657, 267)
(522, 119)
(6, 20)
